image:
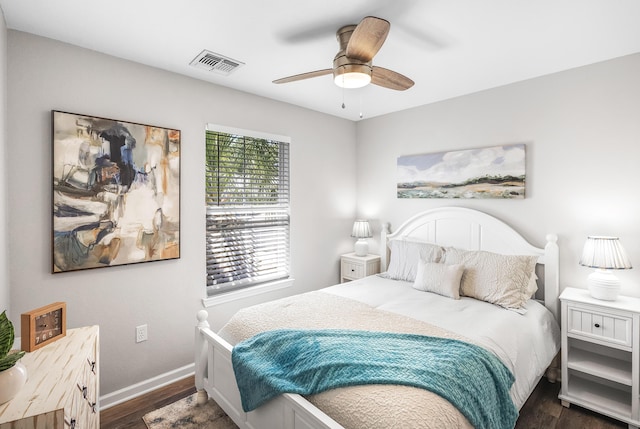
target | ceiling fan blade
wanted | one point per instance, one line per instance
(302, 76)
(390, 79)
(367, 38)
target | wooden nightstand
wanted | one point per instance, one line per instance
(601, 354)
(354, 267)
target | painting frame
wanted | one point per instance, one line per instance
(493, 172)
(115, 192)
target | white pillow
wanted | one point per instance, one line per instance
(405, 256)
(439, 278)
(499, 279)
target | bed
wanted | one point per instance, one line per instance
(396, 301)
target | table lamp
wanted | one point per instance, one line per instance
(604, 254)
(361, 231)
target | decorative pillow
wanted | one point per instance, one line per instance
(405, 256)
(439, 278)
(499, 279)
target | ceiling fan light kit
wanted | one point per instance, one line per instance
(352, 66)
(352, 76)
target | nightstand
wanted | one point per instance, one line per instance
(354, 267)
(601, 354)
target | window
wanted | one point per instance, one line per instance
(247, 186)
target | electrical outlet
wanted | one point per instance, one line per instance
(141, 333)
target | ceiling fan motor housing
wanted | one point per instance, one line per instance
(344, 65)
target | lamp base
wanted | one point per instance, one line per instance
(603, 285)
(361, 247)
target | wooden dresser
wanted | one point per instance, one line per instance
(62, 386)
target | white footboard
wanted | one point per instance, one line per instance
(215, 379)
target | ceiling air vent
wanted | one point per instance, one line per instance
(210, 61)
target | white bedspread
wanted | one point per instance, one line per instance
(525, 343)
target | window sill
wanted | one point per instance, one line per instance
(246, 293)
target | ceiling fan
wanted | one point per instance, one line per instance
(352, 66)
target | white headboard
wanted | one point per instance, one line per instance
(474, 230)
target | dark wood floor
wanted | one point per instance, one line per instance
(128, 415)
(542, 410)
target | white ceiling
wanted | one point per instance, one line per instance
(448, 47)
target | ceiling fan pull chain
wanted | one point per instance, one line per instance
(343, 106)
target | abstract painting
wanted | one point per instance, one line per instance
(116, 192)
(491, 172)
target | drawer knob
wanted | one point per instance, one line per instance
(352, 270)
(597, 325)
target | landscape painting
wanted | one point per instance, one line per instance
(116, 192)
(491, 172)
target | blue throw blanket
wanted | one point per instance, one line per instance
(312, 361)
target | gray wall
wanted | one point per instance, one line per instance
(4, 271)
(43, 75)
(582, 134)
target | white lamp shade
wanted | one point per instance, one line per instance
(604, 254)
(361, 229)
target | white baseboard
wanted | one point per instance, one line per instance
(138, 389)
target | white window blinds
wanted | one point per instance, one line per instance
(247, 185)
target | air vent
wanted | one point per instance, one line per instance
(210, 61)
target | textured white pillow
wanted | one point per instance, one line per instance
(499, 279)
(405, 256)
(439, 278)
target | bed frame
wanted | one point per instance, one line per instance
(447, 226)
